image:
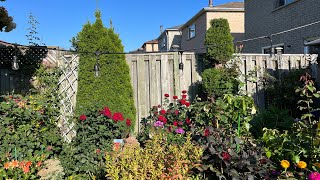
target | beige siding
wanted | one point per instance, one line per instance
(235, 19)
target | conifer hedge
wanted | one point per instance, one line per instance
(219, 41)
(112, 88)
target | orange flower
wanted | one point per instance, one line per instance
(285, 164)
(22, 163)
(26, 169)
(7, 165)
(28, 164)
(15, 163)
(302, 164)
(39, 164)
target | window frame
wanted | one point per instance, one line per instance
(192, 28)
(273, 48)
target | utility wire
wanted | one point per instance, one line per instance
(142, 52)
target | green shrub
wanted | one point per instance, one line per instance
(280, 93)
(216, 82)
(28, 125)
(219, 42)
(113, 87)
(271, 118)
(95, 133)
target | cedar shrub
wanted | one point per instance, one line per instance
(219, 42)
(113, 87)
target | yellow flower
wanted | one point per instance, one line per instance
(285, 164)
(317, 164)
(302, 164)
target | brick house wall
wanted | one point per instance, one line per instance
(202, 24)
(263, 18)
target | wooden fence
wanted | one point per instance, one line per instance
(154, 74)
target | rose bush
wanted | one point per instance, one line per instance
(95, 129)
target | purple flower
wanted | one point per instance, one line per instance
(314, 176)
(158, 124)
(180, 130)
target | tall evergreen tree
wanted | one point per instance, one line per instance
(219, 42)
(113, 87)
(6, 21)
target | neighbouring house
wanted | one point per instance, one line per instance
(170, 39)
(150, 46)
(293, 25)
(194, 30)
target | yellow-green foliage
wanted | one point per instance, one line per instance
(158, 160)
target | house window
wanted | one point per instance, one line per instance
(192, 31)
(283, 2)
(164, 42)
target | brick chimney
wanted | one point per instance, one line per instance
(210, 3)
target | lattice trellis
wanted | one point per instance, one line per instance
(67, 87)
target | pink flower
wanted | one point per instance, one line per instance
(175, 97)
(179, 131)
(166, 95)
(163, 112)
(158, 124)
(314, 176)
(83, 117)
(117, 116)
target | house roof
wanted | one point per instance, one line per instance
(228, 7)
(174, 27)
(231, 5)
(154, 41)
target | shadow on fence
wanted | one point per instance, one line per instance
(29, 59)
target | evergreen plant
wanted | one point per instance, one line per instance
(112, 87)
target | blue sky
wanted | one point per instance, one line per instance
(136, 21)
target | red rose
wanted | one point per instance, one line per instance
(183, 101)
(175, 97)
(176, 112)
(166, 95)
(226, 156)
(187, 104)
(162, 119)
(184, 92)
(163, 112)
(106, 112)
(206, 132)
(128, 122)
(175, 123)
(117, 116)
(188, 121)
(83, 117)
(184, 96)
